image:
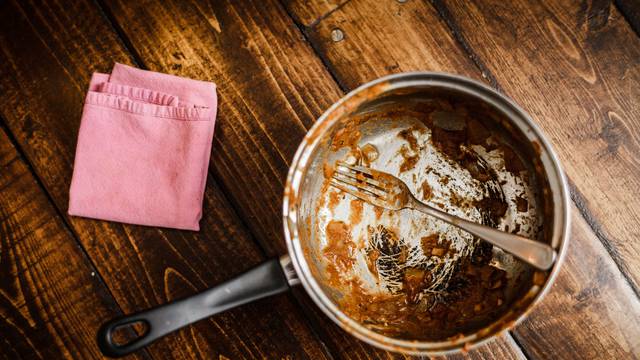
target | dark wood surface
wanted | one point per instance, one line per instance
(574, 66)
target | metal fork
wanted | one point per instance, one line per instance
(387, 191)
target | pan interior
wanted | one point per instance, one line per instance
(401, 273)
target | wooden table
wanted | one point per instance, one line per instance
(575, 66)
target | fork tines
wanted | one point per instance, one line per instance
(357, 181)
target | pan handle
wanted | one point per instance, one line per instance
(269, 278)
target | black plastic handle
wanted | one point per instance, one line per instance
(264, 280)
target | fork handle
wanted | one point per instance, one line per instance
(537, 254)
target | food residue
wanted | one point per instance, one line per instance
(378, 211)
(339, 250)
(429, 242)
(522, 204)
(415, 280)
(348, 136)
(370, 153)
(328, 170)
(427, 193)
(411, 152)
(477, 133)
(334, 199)
(432, 246)
(475, 295)
(356, 211)
(539, 278)
(418, 307)
(512, 162)
(372, 257)
(410, 160)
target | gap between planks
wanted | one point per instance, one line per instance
(303, 30)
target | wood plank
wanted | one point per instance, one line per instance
(631, 11)
(591, 310)
(272, 87)
(308, 12)
(503, 347)
(387, 37)
(368, 48)
(51, 301)
(572, 74)
(47, 54)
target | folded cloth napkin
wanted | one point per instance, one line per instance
(143, 149)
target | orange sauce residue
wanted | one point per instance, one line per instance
(328, 170)
(409, 161)
(408, 315)
(321, 200)
(356, 211)
(427, 193)
(370, 153)
(410, 153)
(428, 243)
(334, 199)
(432, 246)
(378, 211)
(339, 250)
(348, 136)
(372, 257)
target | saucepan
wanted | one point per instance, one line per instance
(400, 280)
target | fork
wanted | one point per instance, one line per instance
(387, 191)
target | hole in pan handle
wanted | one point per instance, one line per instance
(266, 279)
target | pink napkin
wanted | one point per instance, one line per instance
(143, 149)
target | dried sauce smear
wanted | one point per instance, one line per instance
(429, 287)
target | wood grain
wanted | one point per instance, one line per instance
(47, 55)
(590, 311)
(631, 11)
(503, 347)
(571, 73)
(51, 300)
(309, 12)
(387, 37)
(271, 90)
(370, 49)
